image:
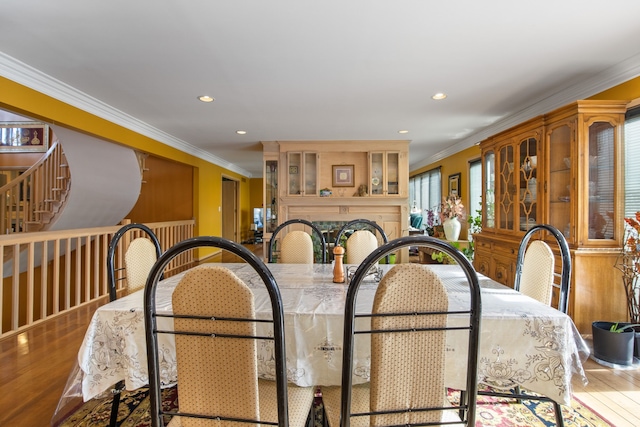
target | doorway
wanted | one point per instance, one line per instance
(230, 209)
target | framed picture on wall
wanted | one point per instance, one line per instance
(454, 185)
(342, 176)
(16, 137)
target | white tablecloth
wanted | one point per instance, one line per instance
(522, 342)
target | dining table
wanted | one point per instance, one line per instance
(522, 341)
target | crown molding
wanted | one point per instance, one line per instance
(30, 77)
(607, 79)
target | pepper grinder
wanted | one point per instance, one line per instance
(338, 270)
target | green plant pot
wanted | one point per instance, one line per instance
(392, 259)
(613, 347)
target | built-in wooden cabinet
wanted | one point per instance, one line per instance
(565, 169)
(306, 167)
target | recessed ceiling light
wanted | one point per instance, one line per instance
(241, 132)
(403, 131)
(206, 98)
(439, 96)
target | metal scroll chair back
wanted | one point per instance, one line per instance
(409, 324)
(217, 336)
(140, 255)
(536, 271)
(361, 224)
(314, 230)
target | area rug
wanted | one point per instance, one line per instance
(134, 412)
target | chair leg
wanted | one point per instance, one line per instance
(558, 410)
(115, 404)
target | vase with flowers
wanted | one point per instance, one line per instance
(451, 212)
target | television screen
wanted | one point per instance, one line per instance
(258, 217)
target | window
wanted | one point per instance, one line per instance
(424, 190)
(631, 162)
(475, 187)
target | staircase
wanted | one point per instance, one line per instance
(106, 184)
(33, 200)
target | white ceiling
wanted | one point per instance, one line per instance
(318, 70)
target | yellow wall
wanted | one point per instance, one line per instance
(457, 163)
(207, 177)
(626, 91)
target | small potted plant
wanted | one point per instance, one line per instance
(325, 192)
(618, 342)
(431, 221)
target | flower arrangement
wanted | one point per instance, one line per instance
(450, 208)
(431, 221)
(629, 264)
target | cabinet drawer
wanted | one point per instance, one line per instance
(503, 270)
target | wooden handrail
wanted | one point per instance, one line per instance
(48, 273)
(32, 200)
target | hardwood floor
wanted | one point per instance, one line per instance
(35, 364)
(613, 393)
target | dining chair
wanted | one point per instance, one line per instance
(361, 243)
(536, 277)
(216, 339)
(139, 257)
(296, 249)
(361, 224)
(535, 267)
(408, 330)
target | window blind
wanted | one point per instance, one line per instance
(632, 162)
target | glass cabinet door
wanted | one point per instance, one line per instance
(392, 173)
(384, 170)
(295, 171)
(528, 183)
(490, 189)
(271, 196)
(377, 169)
(310, 174)
(507, 188)
(560, 189)
(601, 185)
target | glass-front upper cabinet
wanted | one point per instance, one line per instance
(490, 189)
(270, 196)
(302, 173)
(384, 170)
(527, 183)
(506, 202)
(601, 187)
(560, 137)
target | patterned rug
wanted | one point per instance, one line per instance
(134, 412)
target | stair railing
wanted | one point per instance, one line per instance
(29, 202)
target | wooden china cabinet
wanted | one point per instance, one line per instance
(563, 168)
